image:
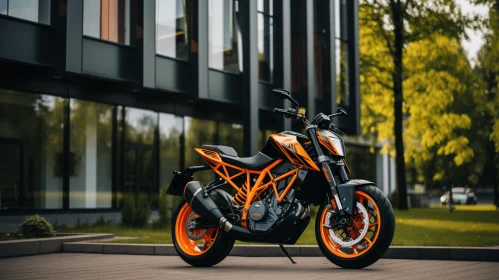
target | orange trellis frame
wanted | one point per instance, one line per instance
(246, 194)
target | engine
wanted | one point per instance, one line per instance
(264, 214)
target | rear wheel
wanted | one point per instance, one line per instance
(200, 247)
(366, 238)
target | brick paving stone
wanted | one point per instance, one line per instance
(105, 266)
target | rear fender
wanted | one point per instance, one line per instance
(346, 191)
(180, 179)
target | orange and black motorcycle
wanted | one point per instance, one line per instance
(273, 191)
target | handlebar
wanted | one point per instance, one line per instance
(288, 113)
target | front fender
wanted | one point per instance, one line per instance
(346, 192)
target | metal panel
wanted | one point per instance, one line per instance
(109, 60)
(173, 75)
(224, 87)
(201, 59)
(74, 36)
(149, 51)
(28, 42)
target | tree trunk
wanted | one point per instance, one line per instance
(398, 21)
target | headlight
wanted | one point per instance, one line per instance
(338, 145)
(328, 138)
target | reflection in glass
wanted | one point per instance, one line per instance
(91, 154)
(171, 28)
(265, 40)
(341, 73)
(32, 10)
(107, 19)
(170, 130)
(31, 130)
(198, 132)
(224, 36)
(3, 6)
(263, 137)
(231, 134)
(140, 126)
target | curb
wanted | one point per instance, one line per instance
(395, 252)
(35, 246)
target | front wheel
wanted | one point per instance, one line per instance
(198, 247)
(367, 236)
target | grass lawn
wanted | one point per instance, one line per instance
(466, 226)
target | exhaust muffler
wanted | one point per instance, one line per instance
(204, 205)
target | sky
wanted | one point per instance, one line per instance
(475, 41)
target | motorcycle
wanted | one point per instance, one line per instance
(273, 191)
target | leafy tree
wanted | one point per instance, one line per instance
(401, 23)
(488, 69)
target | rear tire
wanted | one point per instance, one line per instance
(219, 247)
(346, 257)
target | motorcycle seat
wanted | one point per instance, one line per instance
(226, 150)
(256, 162)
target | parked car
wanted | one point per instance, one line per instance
(459, 196)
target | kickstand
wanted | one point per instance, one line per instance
(286, 252)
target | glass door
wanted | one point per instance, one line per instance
(10, 173)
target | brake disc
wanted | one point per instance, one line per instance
(339, 240)
(193, 234)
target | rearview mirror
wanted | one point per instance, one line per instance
(341, 112)
(285, 95)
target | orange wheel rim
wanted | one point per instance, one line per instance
(189, 246)
(364, 245)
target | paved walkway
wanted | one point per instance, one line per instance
(99, 266)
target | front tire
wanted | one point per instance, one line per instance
(202, 248)
(369, 244)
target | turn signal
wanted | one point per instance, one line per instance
(302, 111)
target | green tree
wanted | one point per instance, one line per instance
(400, 23)
(488, 69)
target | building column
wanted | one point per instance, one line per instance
(199, 48)
(286, 54)
(247, 11)
(149, 50)
(353, 66)
(311, 79)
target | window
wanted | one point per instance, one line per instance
(198, 132)
(224, 36)
(31, 145)
(171, 28)
(107, 19)
(32, 10)
(140, 126)
(265, 40)
(170, 129)
(231, 134)
(91, 155)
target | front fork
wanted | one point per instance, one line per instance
(324, 165)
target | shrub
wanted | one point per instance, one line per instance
(163, 210)
(136, 211)
(394, 199)
(35, 226)
(142, 211)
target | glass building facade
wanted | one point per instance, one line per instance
(108, 97)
